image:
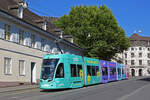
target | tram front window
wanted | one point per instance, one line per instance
(48, 68)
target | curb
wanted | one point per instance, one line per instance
(15, 90)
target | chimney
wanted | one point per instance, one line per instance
(21, 6)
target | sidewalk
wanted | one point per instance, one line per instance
(14, 86)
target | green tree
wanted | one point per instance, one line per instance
(96, 30)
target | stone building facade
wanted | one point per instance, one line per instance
(138, 55)
(25, 38)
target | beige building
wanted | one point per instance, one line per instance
(24, 39)
(138, 55)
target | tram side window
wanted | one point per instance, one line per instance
(119, 71)
(112, 71)
(60, 71)
(93, 71)
(89, 70)
(73, 70)
(104, 71)
(123, 71)
(97, 70)
(80, 72)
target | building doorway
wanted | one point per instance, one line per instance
(133, 72)
(140, 72)
(33, 72)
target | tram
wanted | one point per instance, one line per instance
(61, 71)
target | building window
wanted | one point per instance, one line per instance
(140, 62)
(42, 44)
(148, 55)
(132, 55)
(125, 55)
(21, 37)
(132, 62)
(132, 49)
(148, 62)
(21, 67)
(7, 32)
(33, 40)
(140, 48)
(7, 66)
(140, 55)
(148, 49)
(126, 62)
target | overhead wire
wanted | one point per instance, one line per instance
(38, 11)
(41, 12)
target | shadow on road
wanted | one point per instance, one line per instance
(145, 79)
(55, 90)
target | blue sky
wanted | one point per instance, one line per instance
(132, 15)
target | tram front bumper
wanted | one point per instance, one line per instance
(47, 85)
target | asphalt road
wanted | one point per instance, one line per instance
(132, 89)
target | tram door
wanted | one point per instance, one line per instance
(33, 72)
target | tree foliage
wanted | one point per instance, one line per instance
(96, 30)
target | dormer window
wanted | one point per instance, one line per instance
(20, 11)
(44, 25)
(21, 6)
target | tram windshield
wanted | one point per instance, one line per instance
(48, 68)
